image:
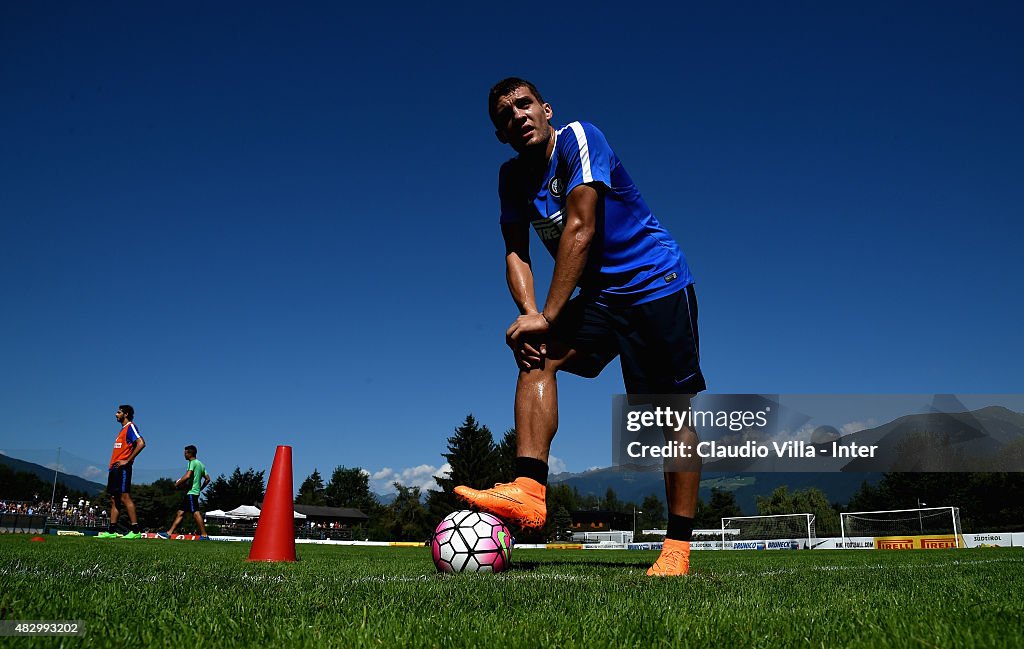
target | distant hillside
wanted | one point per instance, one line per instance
(387, 499)
(69, 481)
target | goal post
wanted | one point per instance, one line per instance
(920, 521)
(769, 527)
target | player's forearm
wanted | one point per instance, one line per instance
(573, 251)
(519, 276)
(139, 445)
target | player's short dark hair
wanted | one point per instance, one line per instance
(128, 411)
(506, 86)
(192, 450)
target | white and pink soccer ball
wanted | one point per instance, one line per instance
(468, 541)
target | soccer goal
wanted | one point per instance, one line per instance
(923, 521)
(798, 528)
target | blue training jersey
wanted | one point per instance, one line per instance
(632, 258)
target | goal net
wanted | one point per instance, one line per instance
(795, 527)
(924, 521)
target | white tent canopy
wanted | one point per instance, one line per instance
(245, 512)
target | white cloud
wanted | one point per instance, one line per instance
(91, 472)
(444, 471)
(383, 474)
(857, 426)
(555, 465)
(421, 476)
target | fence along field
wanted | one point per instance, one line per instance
(153, 593)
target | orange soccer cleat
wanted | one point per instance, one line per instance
(674, 560)
(521, 502)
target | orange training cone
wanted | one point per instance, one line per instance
(275, 533)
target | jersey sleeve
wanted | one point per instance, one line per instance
(192, 465)
(586, 156)
(132, 434)
(510, 210)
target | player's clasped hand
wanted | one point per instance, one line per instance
(522, 337)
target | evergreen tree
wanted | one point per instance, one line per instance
(562, 525)
(651, 516)
(473, 458)
(559, 496)
(506, 463)
(312, 491)
(611, 502)
(722, 505)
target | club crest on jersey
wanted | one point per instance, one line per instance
(556, 187)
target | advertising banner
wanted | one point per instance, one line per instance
(988, 540)
(909, 542)
(849, 543)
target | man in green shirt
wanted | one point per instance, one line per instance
(197, 478)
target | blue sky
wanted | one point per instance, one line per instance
(265, 224)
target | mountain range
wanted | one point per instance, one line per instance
(45, 474)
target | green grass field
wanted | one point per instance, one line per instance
(189, 594)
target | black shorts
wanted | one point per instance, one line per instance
(190, 503)
(657, 341)
(119, 480)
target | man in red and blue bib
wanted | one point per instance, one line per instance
(127, 446)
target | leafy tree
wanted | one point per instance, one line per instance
(312, 491)
(155, 504)
(988, 502)
(350, 487)
(240, 489)
(407, 516)
(811, 501)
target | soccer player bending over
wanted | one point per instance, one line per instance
(636, 301)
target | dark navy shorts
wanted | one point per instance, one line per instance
(657, 341)
(119, 481)
(190, 503)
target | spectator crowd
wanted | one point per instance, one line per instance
(70, 512)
